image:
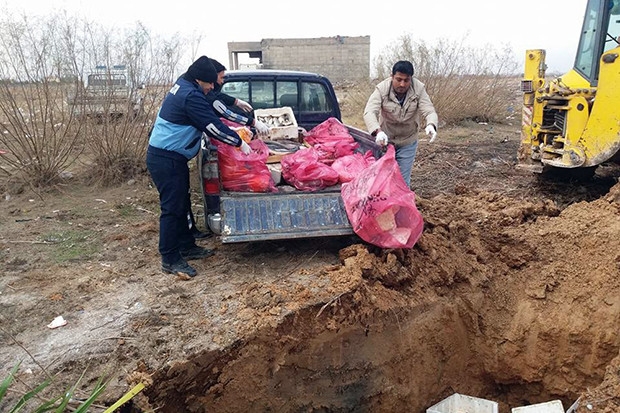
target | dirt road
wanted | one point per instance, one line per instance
(512, 294)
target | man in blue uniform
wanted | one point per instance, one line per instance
(175, 139)
(222, 104)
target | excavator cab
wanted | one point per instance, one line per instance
(573, 121)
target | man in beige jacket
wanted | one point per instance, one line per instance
(393, 112)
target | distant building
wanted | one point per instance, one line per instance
(340, 58)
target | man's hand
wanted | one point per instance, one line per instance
(243, 105)
(381, 139)
(430, 131)
(261, 128)
(245, 148)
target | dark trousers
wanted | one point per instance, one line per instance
(191, 221)
(171, 177)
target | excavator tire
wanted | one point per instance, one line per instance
(551, 174)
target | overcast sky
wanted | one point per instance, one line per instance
(545, 24)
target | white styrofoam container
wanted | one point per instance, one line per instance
(281, 132)
(554, 406)
(460, 403)
(276, 172)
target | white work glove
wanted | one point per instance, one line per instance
(430, 131)
(243, 105)
(245, 148)
(381, 139)
(261, 128)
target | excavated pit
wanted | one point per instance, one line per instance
(512, 301)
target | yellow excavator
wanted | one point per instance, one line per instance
(572, 122)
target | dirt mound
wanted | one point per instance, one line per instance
(511, 294)
(486, 304)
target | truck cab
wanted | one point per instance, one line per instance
(310, 95)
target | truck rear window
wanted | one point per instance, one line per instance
(103, 79)
(265, 94)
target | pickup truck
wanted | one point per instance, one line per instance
(251, 216)
(107, 91)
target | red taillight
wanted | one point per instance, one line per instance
(212, 186)
(211, 175)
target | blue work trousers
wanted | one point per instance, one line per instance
(171, 177)
(405, 155)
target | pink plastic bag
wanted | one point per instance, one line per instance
(305, 172)
(332, 140)
(331, 150)
(380, 206)
(330, 129)
(245, 173)
(349, 166)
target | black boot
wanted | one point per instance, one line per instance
(195, 253)
(181, 267)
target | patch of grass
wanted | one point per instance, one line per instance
(125, 210)
(73, 245)
(58, 404)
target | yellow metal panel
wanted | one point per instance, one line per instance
(574, 80)
(601, 138)
(576, 119)
(534, 72)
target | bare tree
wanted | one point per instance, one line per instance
(464, 82)
(45, 64)
(38, 135)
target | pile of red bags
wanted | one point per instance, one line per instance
(378, 202)
(306, 172)
(331, 158)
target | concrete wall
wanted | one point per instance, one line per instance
(340, 58)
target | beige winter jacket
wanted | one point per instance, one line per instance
(400, 123)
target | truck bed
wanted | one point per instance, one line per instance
(249, 216)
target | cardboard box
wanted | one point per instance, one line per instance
(281, 122)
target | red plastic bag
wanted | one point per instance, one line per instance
(305, 172)
(332, 140)
(349, 166)
(330, 129)
(331, 150)
(380, 206)
(245, 173)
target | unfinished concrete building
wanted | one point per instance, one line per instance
(340, 58)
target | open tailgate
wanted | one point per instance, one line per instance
(254, 217)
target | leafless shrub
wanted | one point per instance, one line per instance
(117, 135)
(464, 82)
(37, 135)
(45, 128)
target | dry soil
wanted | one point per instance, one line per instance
(512, 294)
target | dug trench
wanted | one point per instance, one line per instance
(509, 300)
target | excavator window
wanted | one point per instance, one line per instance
(600, 33)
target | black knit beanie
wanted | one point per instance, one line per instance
(217, 65)
(202, 69)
